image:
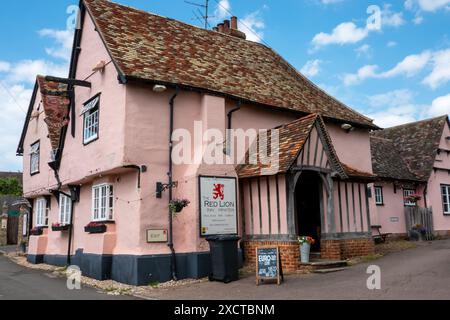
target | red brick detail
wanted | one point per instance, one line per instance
(289, 251)
(348, 248)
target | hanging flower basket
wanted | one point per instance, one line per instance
(176, 206)
(59, 227)
(413, 198)
(37, 231)
(95, 228)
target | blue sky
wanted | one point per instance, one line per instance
(395, 71)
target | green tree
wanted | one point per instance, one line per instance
(10, 187)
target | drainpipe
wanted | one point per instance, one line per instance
(170, 174)
(230, 119)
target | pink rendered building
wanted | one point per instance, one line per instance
(97, 152)
(412, 159)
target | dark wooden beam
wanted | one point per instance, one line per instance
(73, 82)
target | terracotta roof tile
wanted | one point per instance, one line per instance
(154, 48)
(407, 152)
(55, 100)
(292, 138)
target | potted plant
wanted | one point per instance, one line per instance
(418, 233)
(60, 227)
(95, 228)
(177, 205)
(36, 231)
(305, 248)
(414, 198)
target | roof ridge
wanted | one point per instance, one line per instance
(415, 123)
(181, 22)
(271, 92)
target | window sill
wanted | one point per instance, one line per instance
(380, 204)
(105, 221)
(87, 142)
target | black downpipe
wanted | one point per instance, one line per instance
(230, 124)
(69, 246)
(170, 174)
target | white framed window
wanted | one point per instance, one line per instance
(35, 157)
(406, 194)
(41, 213)
(446, 199)
(65, 209)
(103, 202)
(91, 125)
(379, 196)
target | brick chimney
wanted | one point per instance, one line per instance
(231, 28)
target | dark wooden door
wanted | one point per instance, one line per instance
(13, 230)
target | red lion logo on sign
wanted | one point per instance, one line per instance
(218, 191)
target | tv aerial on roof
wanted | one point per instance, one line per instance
(199, 15)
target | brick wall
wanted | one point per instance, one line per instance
(289, 251)
(330, 250)
(348, 248)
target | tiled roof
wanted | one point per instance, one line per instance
(358, 174)
(407, 152)
(158, 49)
(55, 100)
(292, 138)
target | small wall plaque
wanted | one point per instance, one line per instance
(157, 236)
(394, 219)
(4, 223)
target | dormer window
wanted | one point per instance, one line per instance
(91, 114)
(35, 158)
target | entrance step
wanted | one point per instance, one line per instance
(315, 255)
(330, 270)
(319, 264)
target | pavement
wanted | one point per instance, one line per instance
(19, 283)
(420, 273)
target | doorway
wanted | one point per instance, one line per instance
(308, 208)
(12, 230)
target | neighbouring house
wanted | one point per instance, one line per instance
(13, 218)
(412, 159)
(101, 151)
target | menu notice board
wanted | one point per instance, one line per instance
(268, 265)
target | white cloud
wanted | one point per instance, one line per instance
(391, 44)
(441, 69)
(397, 107)
(394, 98)
(432, 5)
(390, 18)
(363, 73)
(17, 79)
(252, 25)
(4, 66)
(344, 33)
(418, 19)
(409, 66)
(12, 118)
(364, 50)
(393, 108)
(26, 70)
(63, 40)
(330, 1)
(350, 33)
(311, 68)
(222, 11)
(440, 106)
